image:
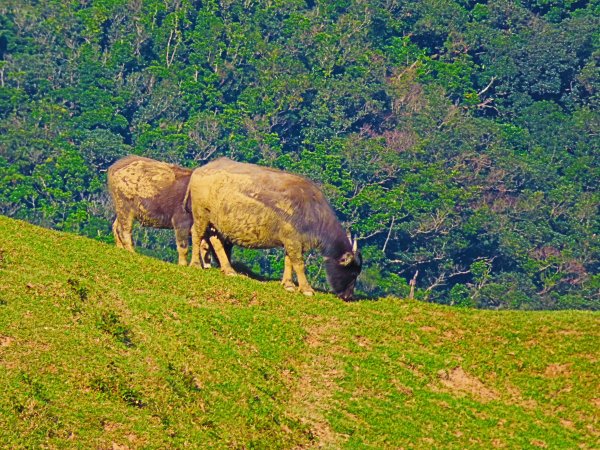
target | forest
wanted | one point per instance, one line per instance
(457, 139)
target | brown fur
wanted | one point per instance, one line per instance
(152, 193)
(259, 207)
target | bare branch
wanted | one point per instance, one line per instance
(433, 225)
(460, 272)
(439, 281)
(484, 90)
(374, 233)
(387, 239)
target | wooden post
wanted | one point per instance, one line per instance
(412, 283)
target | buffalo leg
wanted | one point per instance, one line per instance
(122, 231)
(287, 281)
(198, 231)
(205, 253)
(295, 255)
(227, 247)
(182, 238)
(222, 255)
(117, 233)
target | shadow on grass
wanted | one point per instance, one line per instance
(244, 270)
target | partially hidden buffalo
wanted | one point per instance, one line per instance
(259, 207)
(151, 192)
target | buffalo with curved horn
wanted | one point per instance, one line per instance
(259, 207)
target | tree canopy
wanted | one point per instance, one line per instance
(455, 138)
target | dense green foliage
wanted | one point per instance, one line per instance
(104, 349)
(456, 138)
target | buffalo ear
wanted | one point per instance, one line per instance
(346, 259)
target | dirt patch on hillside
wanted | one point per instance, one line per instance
(557, 370)
(5, 341)
(457, 380)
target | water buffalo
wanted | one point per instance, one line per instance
(151, 192)
(259, 207)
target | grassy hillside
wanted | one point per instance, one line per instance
(103, 349)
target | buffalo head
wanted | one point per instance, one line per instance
(343, 271)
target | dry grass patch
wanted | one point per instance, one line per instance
(458, 381)
(558, 370)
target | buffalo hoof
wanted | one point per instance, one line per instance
(230, 272)
(289, 286)
(308, 293)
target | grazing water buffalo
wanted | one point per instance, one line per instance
(151, 192)
(258, 207)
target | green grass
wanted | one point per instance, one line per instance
(100, 348)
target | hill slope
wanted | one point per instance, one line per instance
(104, 349)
